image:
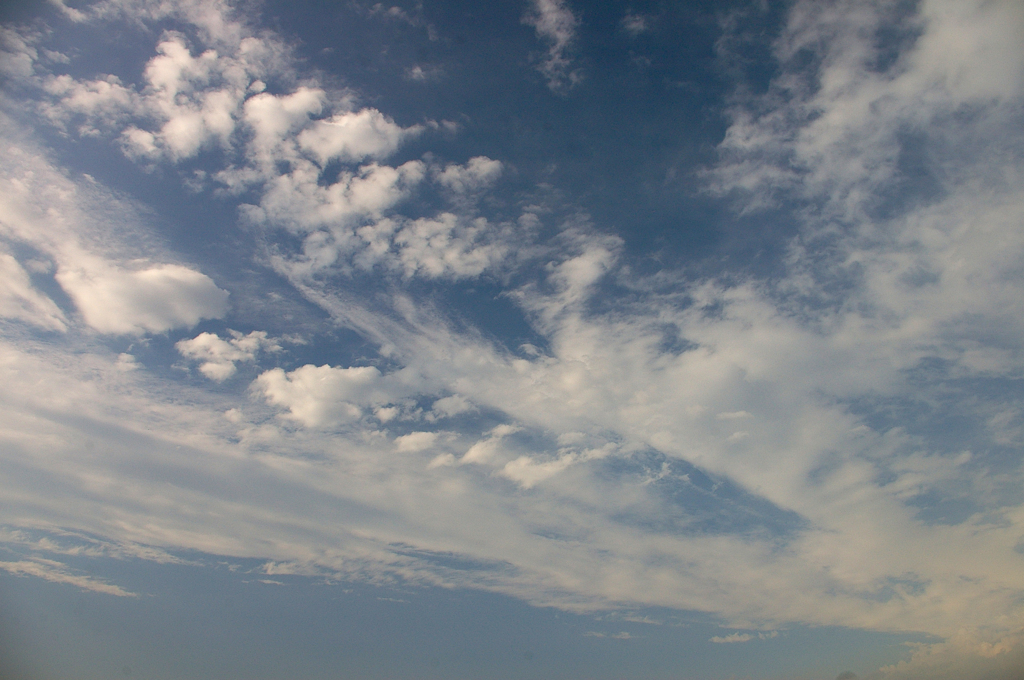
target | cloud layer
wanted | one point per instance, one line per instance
(834, 445)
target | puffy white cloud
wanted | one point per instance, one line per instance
(422, 75)
(447, 407)
(480, 172)
(185, 103)
(194, 98)
(328, 396)
(152, 299)
(445, 245)
(354, 136)
(274, 118)
(296, 201)
(527, 472)
(320, 396)
(416, 441)
(102, 103)
(219, 356)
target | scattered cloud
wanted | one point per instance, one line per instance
(635, 24)
(614, 636)
(876, 309)
(416, 441)
(555, 24)
(57, 572)
(732, 637)
(219, 357)
(424, 74)
(133, 302)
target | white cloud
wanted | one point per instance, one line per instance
(794, 361)
(194, 98)
(101, 103)
(635, 24)
(320, 396)
(732, 637)
(447, 407)
(834, 133)
(70, 12)
(114, 293)
(963, 656)
(296, 201)
(354, 136)
(185, 103)
(17, 54)
(154, 299)
(20, 300)
(57, 572)
(623, 635)
(219, 356)
(415, 441)
(480, 172)
(527, 472)
(275, 118)
(555, 23)
(326, 396)
(447, 246)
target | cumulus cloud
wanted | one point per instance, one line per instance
(480, 172)
(186, 102)
(963, 655)
(415, 441)
(354, 136)
(555, 23)
(154, 299)
(321, 395)
(328, 396)
(446, 407)
(219, 356)
(447, 246)
(194, 97)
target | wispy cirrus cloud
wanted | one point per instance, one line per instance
(57, 572)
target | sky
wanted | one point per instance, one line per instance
(523, 339)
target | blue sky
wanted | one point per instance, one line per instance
(512, 340)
